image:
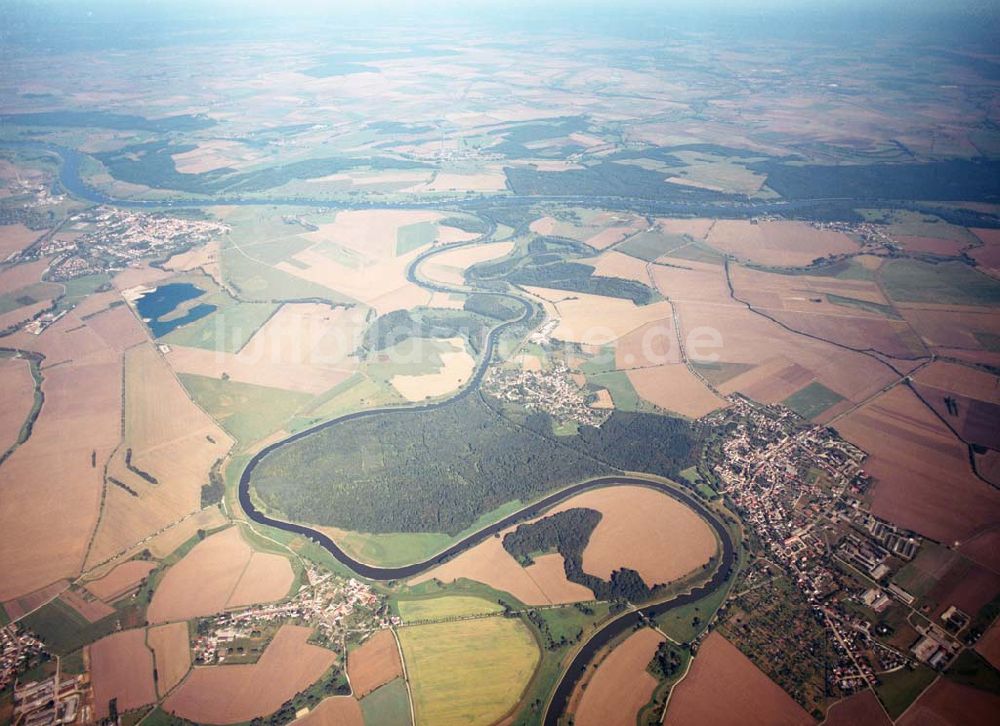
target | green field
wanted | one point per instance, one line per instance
(228, 328)
(650, 245)
(387, 706)
(621, 390)
(971, 669)
(812, 400)
(719, 373)
(471, 671)
(919, 576)
(29, 295)
(246, 411)
(901, 688)
(850, 302)
(403, 548)
(64, 630)
(415, 236)
(950, 283)
(443, 608)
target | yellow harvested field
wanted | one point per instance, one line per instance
(631, 533)
(600, 230)
(172, 440)
(652, 344)
(596, 319)
(121, 667)
(790, 244)
(675, 388)
(621, 685)
(456, 368)
(603, 399)
(356, 256)
(305, 347)
(205, 258)
(617, 264)
(468, 671)
(171, 654)
(14, 238)
(17, 391)
(123, 579)
(206, 579)
(644, 530)
(448, 267)
(334, 711)
(212, 155)
(374, 664)
(50, 478)
(233, 693)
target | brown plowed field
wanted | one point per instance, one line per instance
(233, 693)
(947, 703)
(206, 579)
(644, 530)
(17, 391)
(621, 685)
(924, 479)
(50, 478)
(790, 244)
(675, 388)
(93, 610)
(860, 709)
(121, 666)
(374, 664)
(724, 688)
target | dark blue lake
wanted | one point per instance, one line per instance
(163, 300)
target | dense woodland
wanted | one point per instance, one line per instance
(439, 470)
(399, 325)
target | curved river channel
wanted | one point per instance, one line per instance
(607, 632)
(72, 182)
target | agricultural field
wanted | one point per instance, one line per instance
(374, 663)
(120, 580)
(620, 686)
(748, 697)
(170, 446)
(171, 654)
(777, 244)
(122, 670)
(399, 287)
(390, 704)
(912, 456)
(234, 693)
(472, 671)
(220, 572)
